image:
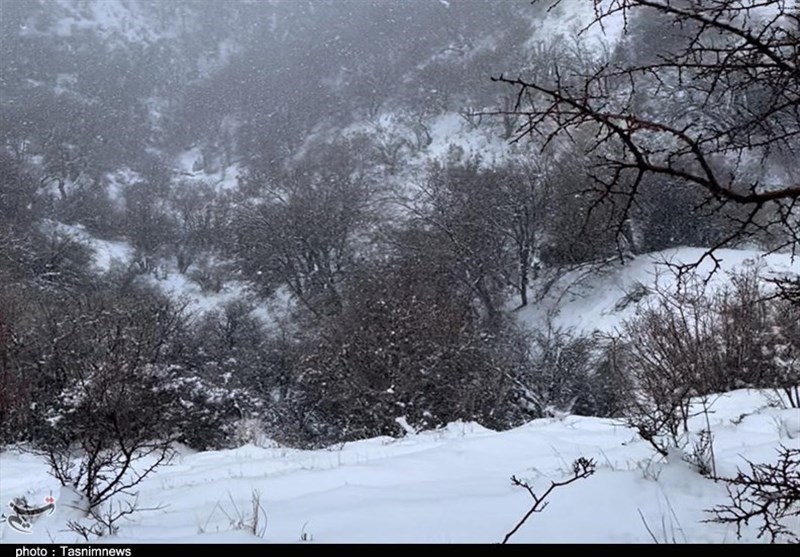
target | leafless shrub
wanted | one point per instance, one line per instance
(691, 343)
(702, 454)
(106, 414)
(407, 343)
(559, 374)
(105, 521)
(767, 493)
(782, 351)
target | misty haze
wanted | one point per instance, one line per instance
(399, 271)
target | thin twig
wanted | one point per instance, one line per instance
(581, 468)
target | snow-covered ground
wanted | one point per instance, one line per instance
(576, 19)
(105, 253)
(444, 486)
(600, 298)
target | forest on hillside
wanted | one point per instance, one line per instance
(368, 192)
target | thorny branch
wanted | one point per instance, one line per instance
(769, 493)
(737, 82)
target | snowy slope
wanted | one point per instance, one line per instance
(594, 298)
(444, 486)
(126, 21)
(576, 18)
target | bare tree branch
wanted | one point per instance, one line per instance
(582, 468)
(700, 112)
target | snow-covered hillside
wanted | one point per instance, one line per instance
(258, 225)
(445, 486)
(452, 485)
(600, 297)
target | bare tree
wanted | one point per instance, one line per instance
(454, 209)
(731, 88)
(487, 223)
(195, 206)
(148, 222)
(522, 198)
(303, 232)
